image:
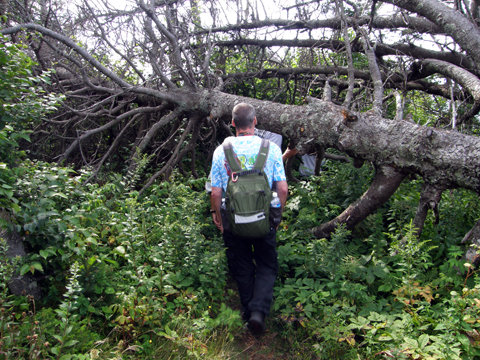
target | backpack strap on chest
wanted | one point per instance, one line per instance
(231, 156)
(262, 155)
(234, 163)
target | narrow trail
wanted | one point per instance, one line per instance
(266, 346)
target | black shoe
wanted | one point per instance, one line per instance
(246, 314)
(256, 324)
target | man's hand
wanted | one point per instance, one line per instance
(289, 153)
(217, 222)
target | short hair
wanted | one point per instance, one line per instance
(243, 114)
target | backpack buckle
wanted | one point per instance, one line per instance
(234, 177)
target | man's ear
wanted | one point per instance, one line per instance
(255, 121)
(233, 123)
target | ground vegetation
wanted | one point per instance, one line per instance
(161, 78)
(108, 121)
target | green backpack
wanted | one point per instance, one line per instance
(248, 195)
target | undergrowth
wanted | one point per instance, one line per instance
(129, 276)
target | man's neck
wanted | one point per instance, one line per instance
(246, 132)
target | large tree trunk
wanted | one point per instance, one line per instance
(442, 158)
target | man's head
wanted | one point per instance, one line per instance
(243, 116)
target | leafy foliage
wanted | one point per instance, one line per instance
(142, 276)
(22, 102)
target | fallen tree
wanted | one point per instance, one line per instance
(185, 98)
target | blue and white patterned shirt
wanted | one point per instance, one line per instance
(246, 148)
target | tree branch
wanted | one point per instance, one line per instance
(465, 33)
(379, 22)
(429, 199)
(94, 62)
(384, 185)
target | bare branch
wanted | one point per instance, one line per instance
(70, 43)
(463, 77)
(171, 162)
(91, 132)
(348, 48)
(374, 72)
(392, 22)
(384, 185)
(105, 38)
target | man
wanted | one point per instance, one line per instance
(252, 262)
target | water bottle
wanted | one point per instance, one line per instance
(275, 203)
(208, 187)
(275, 210)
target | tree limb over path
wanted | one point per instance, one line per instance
(443, 158)
(169, 89)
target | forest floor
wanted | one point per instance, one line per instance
(272, 344)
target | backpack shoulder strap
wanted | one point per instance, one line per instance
(230, 155)
(262, 155)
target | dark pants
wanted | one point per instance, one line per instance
(254, 265)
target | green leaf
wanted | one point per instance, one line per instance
(464, 341)
(24, 136)
(385, 337)
(379, 271)
(370, 277)
(45, 214)
(119, 250)
(37, 266)
(385, 287)
(24, 269)
(107, 310)
(92, 240)
(440, 326)
(68, 330)
(59, 195)
(411, 342)
(91, 261)
(70, 343)
(186, 282)
(423, 341)
(113, 262)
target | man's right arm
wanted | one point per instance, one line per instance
(215, 202)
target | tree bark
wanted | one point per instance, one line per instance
(441, 157)
(473, 238)
(429, 199)
(468, 80)
(455, 24)
(19, 285)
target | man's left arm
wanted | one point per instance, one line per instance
(279, 179)
(282, 191)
